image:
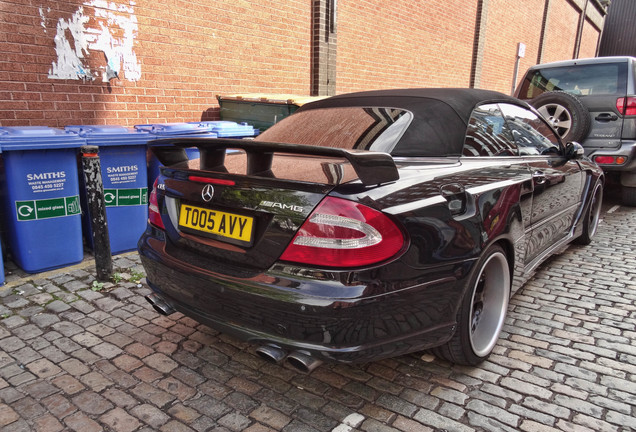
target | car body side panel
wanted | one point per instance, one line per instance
(558, 186)
(498, 192)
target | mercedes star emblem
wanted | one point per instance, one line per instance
(207, 193)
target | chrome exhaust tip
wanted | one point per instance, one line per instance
(303, 361)
(271, 353)
(159, 304)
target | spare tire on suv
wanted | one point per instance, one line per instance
(565, 112)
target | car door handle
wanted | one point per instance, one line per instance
(539, 178)
(605, 117)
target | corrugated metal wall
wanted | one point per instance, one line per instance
(619, 35)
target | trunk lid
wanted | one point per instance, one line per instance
(240, 210)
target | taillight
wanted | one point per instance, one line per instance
(342, 233)
(610, 160)
(154, 215)
(626, 105)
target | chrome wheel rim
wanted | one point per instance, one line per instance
(489, 304)
(558, 116)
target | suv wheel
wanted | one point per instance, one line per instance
(565, 112)
(629, 196)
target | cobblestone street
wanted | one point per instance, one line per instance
(79, 356)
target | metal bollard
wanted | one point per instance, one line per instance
(97, 211)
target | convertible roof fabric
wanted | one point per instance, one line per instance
(440, 115)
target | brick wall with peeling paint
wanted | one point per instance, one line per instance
(128, 62)
(131, 62)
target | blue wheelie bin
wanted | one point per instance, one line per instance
(1, 252)
(229, 129)
(172, 130)
(122, 154)
(209, 129)
(261, 110)
(41, 197)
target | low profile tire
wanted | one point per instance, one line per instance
(628, 196)
(565, 112)
(482, 313)
(592, 216)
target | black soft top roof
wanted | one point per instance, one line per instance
(440, 115)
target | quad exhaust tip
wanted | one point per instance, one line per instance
(300, 360)
(159, 304)
(303, 361)
(271, 353)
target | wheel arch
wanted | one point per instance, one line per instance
(508, 249)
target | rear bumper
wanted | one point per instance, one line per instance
(627, 150)
(338, 322)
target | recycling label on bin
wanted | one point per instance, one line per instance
(47, 208)
(125, 197)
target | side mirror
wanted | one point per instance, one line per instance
(574, 150)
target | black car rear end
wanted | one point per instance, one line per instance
(237, 251)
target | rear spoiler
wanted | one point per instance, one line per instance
(371, 167)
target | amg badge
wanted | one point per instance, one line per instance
(298, 209)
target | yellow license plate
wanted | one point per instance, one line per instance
(218, 223)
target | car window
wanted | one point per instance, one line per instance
(531, 133)
(368, 128)
(579, 80)
(488, 134)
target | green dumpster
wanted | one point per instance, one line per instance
(260, 110)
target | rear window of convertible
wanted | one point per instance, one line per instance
(362, 128)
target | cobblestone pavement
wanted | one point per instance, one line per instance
(81, 357)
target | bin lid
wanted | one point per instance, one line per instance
(282, 99)
(229, 129)
(111, 135)
(172, 129)
(37, 138)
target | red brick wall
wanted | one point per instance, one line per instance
(508, 24)
(561, 32)
(404, 43)
(188, 52)
(589, 40)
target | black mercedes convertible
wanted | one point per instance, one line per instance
(367, 225)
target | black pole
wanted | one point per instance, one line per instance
(97, 211)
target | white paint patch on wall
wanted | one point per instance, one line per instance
(112, 34)
(43, 18)
(69, 63)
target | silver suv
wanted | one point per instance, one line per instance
(592, 101)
